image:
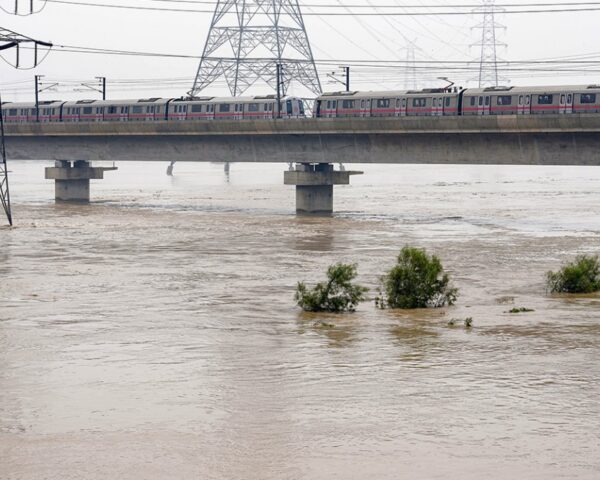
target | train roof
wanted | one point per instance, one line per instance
(102, 103)
(43, 104)
(543, 89)
(383, 93)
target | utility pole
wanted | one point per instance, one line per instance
(346, 81)
(102, 86)
(347, 71)
(37, 97)
(278, 80)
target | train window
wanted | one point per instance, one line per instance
(383, 103)
(362, 104)
(504, 100)
(588, 98)
(136, 109)
(334, 104)
(347, 103)
(235, 107)
(397, 103)
(196, 108)
(480, 101)
(569, 99)
(435, 102)
(224, 107)
(12, 112)
(472, 101)
(328, 104)
(487, 101)
(404, 103)
(157, 110)
(253, 107)
(447, 101)
(545, 99)
(520, 99)
(527, 100)
(419, 102)
(562, 99)
(265, 107)
(87, 110)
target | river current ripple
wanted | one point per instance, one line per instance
(152, 334)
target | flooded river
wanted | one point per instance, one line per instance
(153, 334)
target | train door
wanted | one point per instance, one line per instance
(565, 103)
(438, 107)
(487, 105)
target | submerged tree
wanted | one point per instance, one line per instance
(338, 294)
(416, 281)
(580, 276)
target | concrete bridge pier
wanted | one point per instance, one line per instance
(72, 180)
(314, 186)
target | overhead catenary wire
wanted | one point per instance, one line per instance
(450, 11)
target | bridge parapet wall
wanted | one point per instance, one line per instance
(322, 126)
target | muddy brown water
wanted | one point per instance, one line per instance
(152, 334)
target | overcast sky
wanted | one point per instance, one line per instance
(438, 38)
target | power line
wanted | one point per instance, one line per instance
(451, 12)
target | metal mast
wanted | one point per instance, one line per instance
(488, 61)
(248, 39)
(9, 40)
(410, 74)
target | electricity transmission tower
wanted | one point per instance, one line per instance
(410, 74)
(12, 40)
(488, 43)
(257, 40)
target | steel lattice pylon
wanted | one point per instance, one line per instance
(9, 40)
(248, 39)
(4, 192)
(488, 62)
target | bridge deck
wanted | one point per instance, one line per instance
(311, 126)
(543, 139)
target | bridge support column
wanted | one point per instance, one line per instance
(314, 186)
(72, 181)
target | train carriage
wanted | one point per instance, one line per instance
(427, 102)
(531, 100)
(49, 111)
(238, 108)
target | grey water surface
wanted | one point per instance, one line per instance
(152, 334)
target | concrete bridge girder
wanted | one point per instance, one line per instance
(504, 140)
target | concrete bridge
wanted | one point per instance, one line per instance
(313, 144)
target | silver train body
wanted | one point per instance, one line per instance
(577, 99)
(472, 101)
(153, 109)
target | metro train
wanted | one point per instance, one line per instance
(153, 109)
(427, 102)
(471, 101)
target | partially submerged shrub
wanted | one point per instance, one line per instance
(416, 281)
(468, 322)
(520, 310)
(580, 276)
(338, 294)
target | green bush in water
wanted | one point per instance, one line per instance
(416, 281)
(580, 276)
(338, 294)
